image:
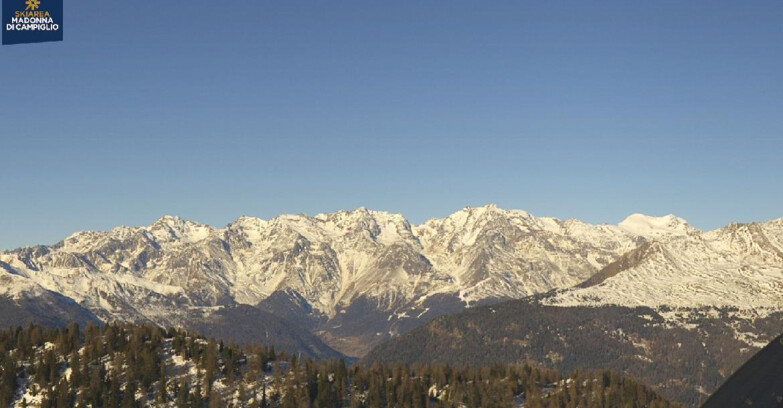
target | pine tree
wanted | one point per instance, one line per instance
(210, 365)
(182, 394)
(163, 395)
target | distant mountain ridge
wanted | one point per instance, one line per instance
(356, 278)
(319, 269)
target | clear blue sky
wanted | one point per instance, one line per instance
(213, 109)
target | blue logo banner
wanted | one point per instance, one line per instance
(32, 21)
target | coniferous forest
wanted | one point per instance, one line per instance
(119, 365)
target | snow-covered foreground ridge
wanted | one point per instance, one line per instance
(155, 272)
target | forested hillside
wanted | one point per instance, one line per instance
(145, 366)
(685, 362)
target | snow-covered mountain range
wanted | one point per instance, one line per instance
(738, 266)
(358, 277)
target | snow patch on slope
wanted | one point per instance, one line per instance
(656, 227)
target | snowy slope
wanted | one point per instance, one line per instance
(740, 266)
(656, 227)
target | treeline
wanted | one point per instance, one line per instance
(127, 366)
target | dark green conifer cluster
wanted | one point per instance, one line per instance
(126, 366)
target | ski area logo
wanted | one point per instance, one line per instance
(32, 21)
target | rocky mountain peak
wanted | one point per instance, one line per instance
(174, 228)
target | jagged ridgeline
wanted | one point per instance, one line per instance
(146, 366)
